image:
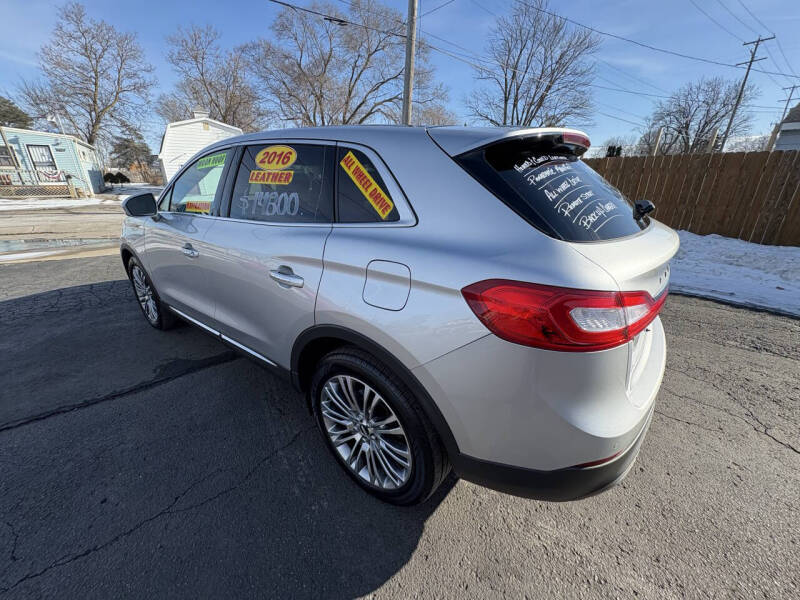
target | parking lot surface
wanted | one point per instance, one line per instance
(140, 463)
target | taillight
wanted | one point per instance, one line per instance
(558, 318)
(577, 139)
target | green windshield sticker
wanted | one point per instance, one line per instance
(215, 160)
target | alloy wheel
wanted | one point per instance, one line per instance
(144, 294)
(365, 432)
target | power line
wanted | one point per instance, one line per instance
(717, 23)
(619, 88)
(766, 47)
(749, 12)
(433, 10)
(632, 77)
(729, 32)
(788, 64)
(483, 8)
(451, 54)
(735, 16)
(648, 46)
(619, 119)
(777, 40)
(623, 112)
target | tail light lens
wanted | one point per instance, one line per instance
(557, 318)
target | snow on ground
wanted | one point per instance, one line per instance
(738, 272)
(39, 203)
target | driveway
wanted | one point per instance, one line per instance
(137, 463)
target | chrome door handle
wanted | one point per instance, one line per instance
(286, 278)
(189, 251)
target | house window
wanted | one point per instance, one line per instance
(6, 157)
(44, 164)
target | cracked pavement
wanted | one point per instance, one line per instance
(139, 463)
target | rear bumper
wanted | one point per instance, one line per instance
(559, 485)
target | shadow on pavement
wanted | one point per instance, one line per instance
(137, 462)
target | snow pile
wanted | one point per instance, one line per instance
(41, 203)
(738, 272)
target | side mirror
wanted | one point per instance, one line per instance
(140, 205)
(642, 208)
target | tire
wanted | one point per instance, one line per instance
(154, 310)
(367, 438)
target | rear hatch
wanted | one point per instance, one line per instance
(539, 175)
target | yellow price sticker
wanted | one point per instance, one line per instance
(274, 158)
(372, 191)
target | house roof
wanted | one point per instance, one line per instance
(207, 120)
(793, 116)
(60, 135)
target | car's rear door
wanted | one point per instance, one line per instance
(266, 247)
(176, 255)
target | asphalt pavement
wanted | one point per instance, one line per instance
(138, 463)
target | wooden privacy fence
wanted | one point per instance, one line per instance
(753, 196)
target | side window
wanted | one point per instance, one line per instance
(362, 195)
(194, 190)
(284, 183)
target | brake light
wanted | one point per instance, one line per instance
(577, 139)
(557, 318)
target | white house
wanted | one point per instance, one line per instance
(183, 139)
(788, 136)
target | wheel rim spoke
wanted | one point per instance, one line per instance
(358, 421)
(341, 404)
(398, 455)
(388, 469)
(144, 294)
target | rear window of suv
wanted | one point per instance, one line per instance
(545, 182)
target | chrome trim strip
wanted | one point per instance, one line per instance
(225, 338)
(183, 315)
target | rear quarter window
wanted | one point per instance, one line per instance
(553, 190)
(362, 195)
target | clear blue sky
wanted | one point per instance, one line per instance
(676, 25)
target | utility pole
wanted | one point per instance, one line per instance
(408, 78)
(749, 63)
(776, 130)
(789, 99)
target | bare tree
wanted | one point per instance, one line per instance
(690, 115)
(95, 76)
(212, 78)
(346, 69)
(536, 72)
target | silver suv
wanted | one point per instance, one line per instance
(446, 297)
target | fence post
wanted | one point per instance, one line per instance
(658, 141)
(712, 140)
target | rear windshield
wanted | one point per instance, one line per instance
(547, 185)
